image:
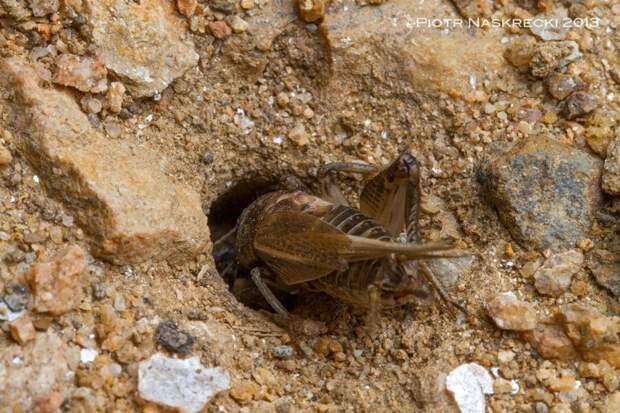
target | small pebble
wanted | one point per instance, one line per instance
(299, 135)
(22, 330)
(18, 298)
(282, 352)
(555, 275)
(510, 313)
(173, 339)
(220, 29)
(114, 97)
(237, 24)
(187, 7)
(578, 105)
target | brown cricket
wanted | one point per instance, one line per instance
(368, 257)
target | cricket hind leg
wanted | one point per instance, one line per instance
(266, 292)
(328, 190)
(392, 197)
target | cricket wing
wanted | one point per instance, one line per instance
(300, 247)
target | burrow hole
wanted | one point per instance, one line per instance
(223, 216)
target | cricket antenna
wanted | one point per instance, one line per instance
(430, 277)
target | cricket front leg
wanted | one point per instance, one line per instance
(328, 189)
(268, 294)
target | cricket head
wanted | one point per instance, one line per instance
(405, 167)
(401, 283)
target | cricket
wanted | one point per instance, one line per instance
(369, 257)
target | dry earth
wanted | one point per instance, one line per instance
(133, 133)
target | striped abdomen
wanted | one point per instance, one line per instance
(352, 285)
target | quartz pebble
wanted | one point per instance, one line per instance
(84, 73)
(468, 384)
(509, 313)
(180, 384)
(555, 275)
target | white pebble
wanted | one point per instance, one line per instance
(185, 385)
(468, 383)
(88, 355)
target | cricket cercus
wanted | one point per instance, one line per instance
(369, 257)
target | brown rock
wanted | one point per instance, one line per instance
(145, 43)
(509, 313)
(555, 275)
(312, 10)
(595, 336)
(187, 7)
(244, 392)
(132, 210)
(35, 375)
(84, 73)
(220, 29)
(57, 284)
(406, 60)
(551, 342)
(22, 329)
(611, 171)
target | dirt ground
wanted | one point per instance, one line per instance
(283, 98)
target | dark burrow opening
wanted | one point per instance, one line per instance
(223, 216)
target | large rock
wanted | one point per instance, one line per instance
(34, 376)
(117, 192)
(390, 48)
(144, 43)
(546, 193)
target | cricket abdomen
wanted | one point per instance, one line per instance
(352, 285)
